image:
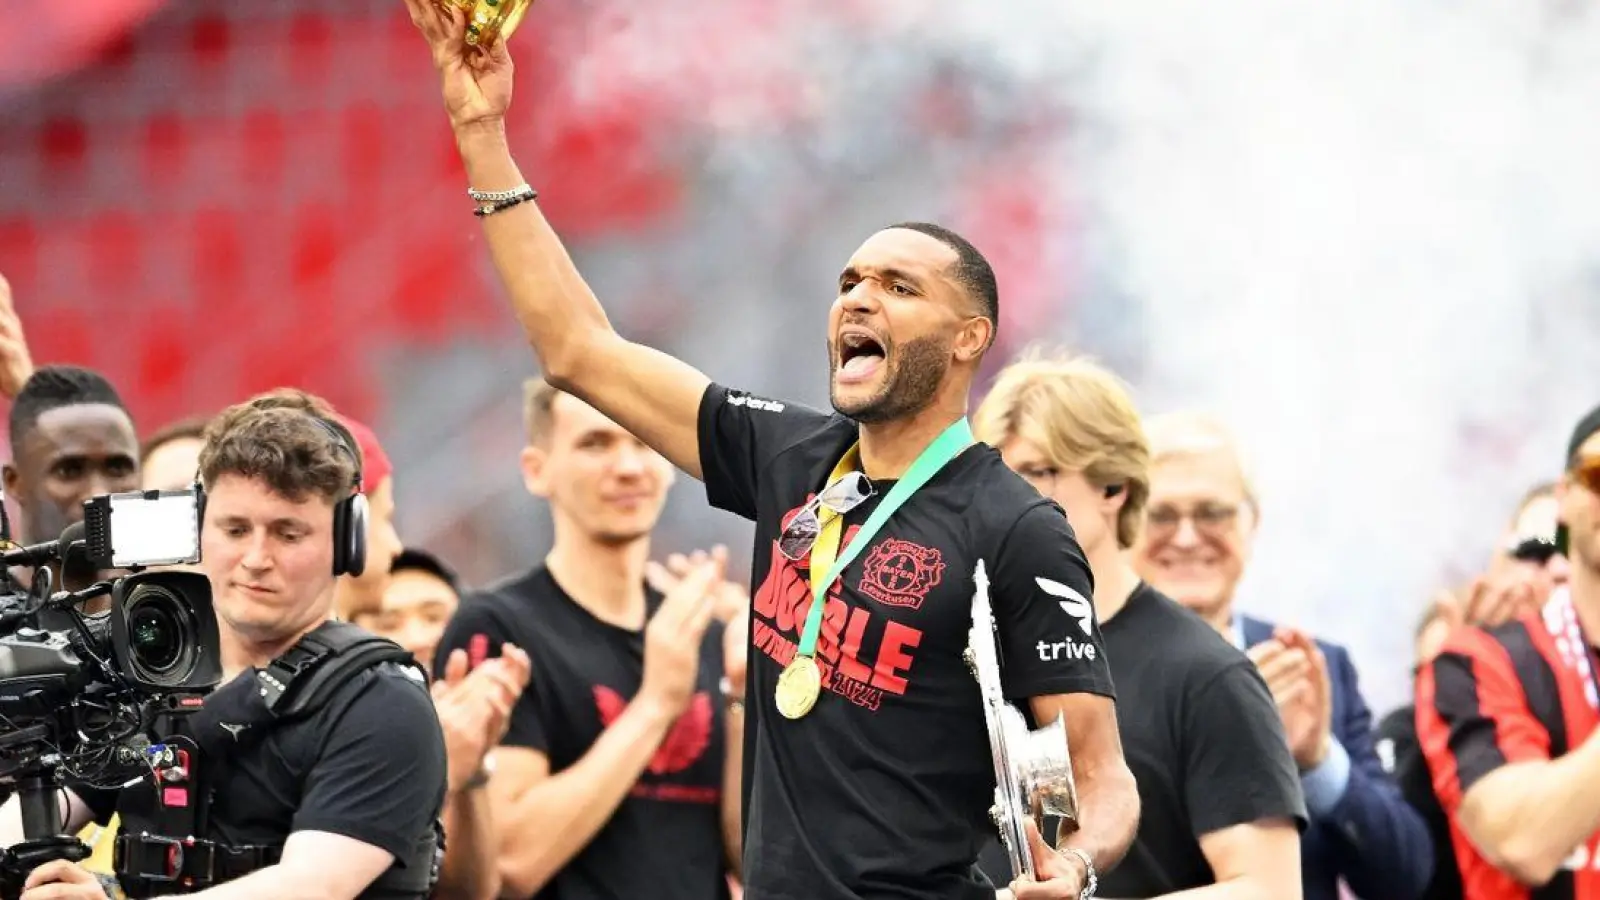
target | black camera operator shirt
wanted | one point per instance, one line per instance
(882, 791)
(664, 841)
(368, 765)
(1204, 741)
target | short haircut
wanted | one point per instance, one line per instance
(1191, 433)
(538, 400)
(1082, 417)
(288, 439)
(412, 559)
(55, 387)
(972, 270)
(191, 428)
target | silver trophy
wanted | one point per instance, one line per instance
(1032, 769)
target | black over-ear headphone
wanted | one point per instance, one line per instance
(349, 514)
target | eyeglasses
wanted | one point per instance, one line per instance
(849, 492)
(1210, 519)
(1586, 471)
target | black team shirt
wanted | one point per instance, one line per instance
(1203, 738)
(664, 841)
(882, 792)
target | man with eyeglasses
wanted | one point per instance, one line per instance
(867, 769)
(1195, 546)
(1507, 720)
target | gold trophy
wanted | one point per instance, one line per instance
(491, 19)
(1033, 769)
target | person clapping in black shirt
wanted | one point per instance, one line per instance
(612, 778)
(1219, 795)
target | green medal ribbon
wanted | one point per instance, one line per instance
(935, 456)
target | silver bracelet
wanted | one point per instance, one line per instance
(1091, 881)
(520, 195)
(498, 196)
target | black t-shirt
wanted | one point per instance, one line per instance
(1402, 758)
(883, 790)
(369, 765)
(665, 839)
(1204, 740)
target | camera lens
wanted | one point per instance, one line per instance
(162, 636)
(153, 633)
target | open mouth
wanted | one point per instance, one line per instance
(859, 353)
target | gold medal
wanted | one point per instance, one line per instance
(798, 687)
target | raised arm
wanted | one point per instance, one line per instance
(651, 394)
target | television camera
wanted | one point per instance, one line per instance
(79, 691)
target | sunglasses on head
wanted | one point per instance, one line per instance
(849, 492)
(1538, 549)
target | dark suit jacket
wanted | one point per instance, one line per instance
(1401, 755)
(1372, 838)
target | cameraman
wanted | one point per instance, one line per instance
(71, 439)
(338, 804)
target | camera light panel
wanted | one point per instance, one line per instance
(154, 529)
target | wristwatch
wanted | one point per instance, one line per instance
(1090, 880)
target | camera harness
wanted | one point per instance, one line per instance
(233, 720)
(190, 766)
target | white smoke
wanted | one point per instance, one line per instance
(1366, 233)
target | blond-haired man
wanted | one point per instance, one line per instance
(1218, 791)
(1198, 536)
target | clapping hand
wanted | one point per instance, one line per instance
(732, 603)
(729, 596)
(475, 707)
(1297, 675)
(672, 637)
(1498, 598)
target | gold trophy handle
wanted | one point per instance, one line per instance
(488, 20)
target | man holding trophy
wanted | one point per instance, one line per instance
(868, 771)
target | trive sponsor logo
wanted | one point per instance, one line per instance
(1067, 649)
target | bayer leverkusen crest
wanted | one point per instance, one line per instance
(900, 573)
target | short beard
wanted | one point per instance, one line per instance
(920, 368)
